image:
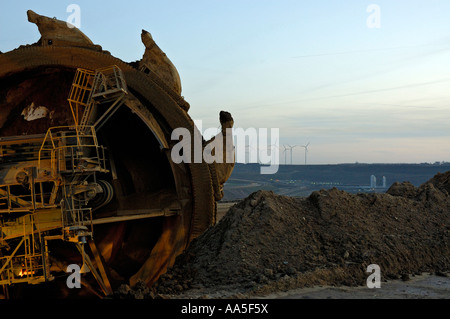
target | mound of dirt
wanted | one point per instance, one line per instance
(269, 242)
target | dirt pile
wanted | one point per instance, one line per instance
(269, 242)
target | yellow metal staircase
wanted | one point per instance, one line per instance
(93, 88)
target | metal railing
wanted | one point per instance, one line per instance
(73, 150)
(80, 93)
(25, 263)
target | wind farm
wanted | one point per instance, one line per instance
(287, 149)
(281, 154)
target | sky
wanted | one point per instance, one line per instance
(363, 81)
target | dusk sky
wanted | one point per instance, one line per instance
(361, 81)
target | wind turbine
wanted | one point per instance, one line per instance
(285, 154)
(272, 153)
(249, 153)
(272, 147)
(306, 150)
(291, 148)
(260, 156)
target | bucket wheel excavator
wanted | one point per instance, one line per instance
(86, 174)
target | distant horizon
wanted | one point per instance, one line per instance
(355, 163)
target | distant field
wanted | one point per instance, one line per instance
(301, 180)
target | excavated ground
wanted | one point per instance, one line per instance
(269, 243)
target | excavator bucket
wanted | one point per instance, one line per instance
(86, 173)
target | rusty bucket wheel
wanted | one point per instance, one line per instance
(193, 181)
